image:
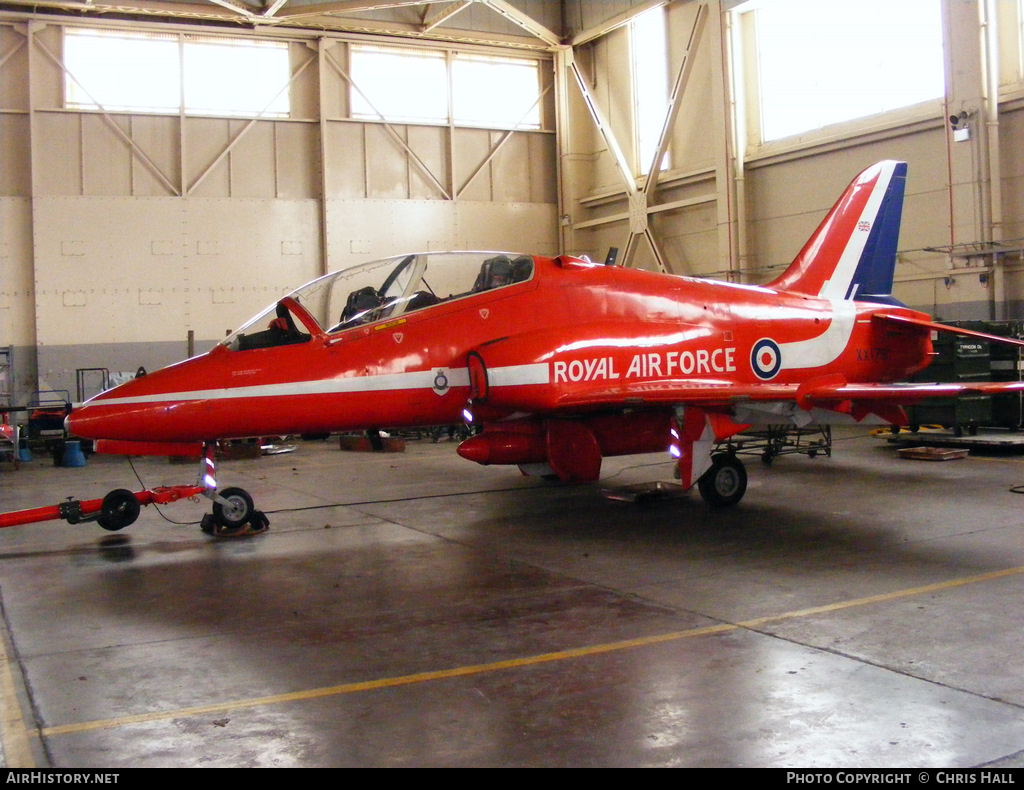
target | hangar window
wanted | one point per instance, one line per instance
(153, 73)
(403, 85)
(823, 63)
(650, 83)
(231, 76)
(490, 91)
(121, 71)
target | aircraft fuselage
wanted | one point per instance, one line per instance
(571, 328)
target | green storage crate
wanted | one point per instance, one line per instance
(1005, 365)
(961, 360)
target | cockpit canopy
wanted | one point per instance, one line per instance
(380, 290)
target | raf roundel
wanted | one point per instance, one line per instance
(766, 359)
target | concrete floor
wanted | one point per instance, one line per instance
(418, 610)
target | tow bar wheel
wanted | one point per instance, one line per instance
(118, 510)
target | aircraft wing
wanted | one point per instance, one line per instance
(825, 391)
(906, 393)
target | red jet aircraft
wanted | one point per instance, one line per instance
(558, 361)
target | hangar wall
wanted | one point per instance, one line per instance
(733, 208)
(683, 213)
(122, 232)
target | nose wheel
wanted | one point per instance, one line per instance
(234, 515)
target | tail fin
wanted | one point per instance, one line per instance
(852, 254)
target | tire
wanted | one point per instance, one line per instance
(725, 483)
(238, 510)
(118, 510)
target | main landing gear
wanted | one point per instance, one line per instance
(725, 483)
(234, 514)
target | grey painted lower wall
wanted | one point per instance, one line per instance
(22, 375)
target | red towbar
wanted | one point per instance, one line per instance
(115, 511)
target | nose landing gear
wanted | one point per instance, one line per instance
(234, 515)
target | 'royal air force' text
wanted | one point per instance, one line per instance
(652, 364)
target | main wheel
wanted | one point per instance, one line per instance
(237, 511)
(118, 510)
(725, 483)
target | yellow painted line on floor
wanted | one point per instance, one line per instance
(909, 593)
(477, 669)
(999, 459)
(13, 733)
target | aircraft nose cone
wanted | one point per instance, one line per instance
(71, 420)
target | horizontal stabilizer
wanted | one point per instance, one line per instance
(896, 318)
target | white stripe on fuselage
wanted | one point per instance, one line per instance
(826, 347)
(513, 375)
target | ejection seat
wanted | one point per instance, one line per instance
(494, 273)
(360, 305)
(522, 268)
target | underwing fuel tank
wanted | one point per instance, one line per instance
(504, 447)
